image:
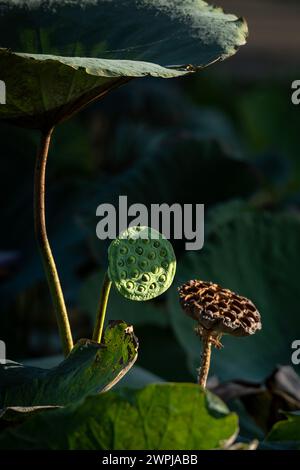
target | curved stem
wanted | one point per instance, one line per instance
(205, 359)
(97, 335)
(44, 246)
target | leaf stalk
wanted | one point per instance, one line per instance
(98, 330)
(44, 246)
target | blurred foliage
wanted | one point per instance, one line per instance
(286, 433)
(255, 255)
(265, 119)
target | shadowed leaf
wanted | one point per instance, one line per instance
(162, 416)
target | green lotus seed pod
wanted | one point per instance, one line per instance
(149, 262)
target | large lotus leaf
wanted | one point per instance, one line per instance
(90, 368)
(255, 255)
(103, 44)
(54, 88)
(174, 33)
(161, 416)
(286, 434)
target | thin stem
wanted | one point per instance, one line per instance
(44, 246)
(97, 335)
(205, 359)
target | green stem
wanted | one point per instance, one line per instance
(44, 246)
(97, 335)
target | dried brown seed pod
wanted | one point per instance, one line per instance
(217, 311)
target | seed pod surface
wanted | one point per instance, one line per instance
(219, 310)
(142, 263)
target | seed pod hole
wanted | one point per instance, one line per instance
(135, 273)
(143, 264)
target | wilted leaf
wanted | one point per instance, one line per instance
(255, 255)
(162, 416)
(104, 44)
(264, 402)
(90, 368)
(285, 383)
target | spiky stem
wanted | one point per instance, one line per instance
(44, 246)
(205, 358)
(97, 335)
